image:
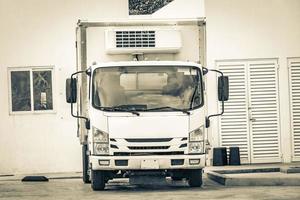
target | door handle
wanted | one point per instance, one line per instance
(252, 119)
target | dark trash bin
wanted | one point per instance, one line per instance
(234, 156)
(219, 156)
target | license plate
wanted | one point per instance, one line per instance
(149, 164)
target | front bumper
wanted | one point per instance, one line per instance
(154, 162)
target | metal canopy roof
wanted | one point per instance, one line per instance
(141, 22)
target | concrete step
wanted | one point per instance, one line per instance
(265, 176)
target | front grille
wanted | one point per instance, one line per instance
(147, 153)
(183, 145)
(114, 146)
(148, 147)
(149, 140)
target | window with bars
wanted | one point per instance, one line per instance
(31, 89)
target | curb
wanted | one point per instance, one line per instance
(223, 177)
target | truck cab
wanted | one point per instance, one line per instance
(147, 116)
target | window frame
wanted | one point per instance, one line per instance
(201, 77)
(31, 69)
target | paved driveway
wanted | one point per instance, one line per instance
(120, 189)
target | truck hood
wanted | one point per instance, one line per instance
(148, 126)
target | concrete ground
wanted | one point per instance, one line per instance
(72, 188)
(253, 166)
(256, 175)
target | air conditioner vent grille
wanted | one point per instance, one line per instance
(135, 39)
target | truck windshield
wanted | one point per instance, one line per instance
(145, 88)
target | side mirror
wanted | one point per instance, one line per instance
(204, 70)
(71, 90)
(223, 88)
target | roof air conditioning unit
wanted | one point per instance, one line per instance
(123, 41)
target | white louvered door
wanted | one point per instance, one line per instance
(251, 119)
(234, 123)
(263, 111)
(294, 70)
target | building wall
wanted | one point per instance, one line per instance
(42, 33)
(242, 29)
(247, 30)
(181, 9)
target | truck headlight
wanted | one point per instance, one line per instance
(196, 135)
(196, 141)
(100, 136)
(100, 141)
(196, 147)
(101, 149)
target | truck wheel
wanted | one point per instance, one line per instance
(195, 178)
(85, 165)
(98, 180)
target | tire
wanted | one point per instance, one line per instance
(98, 180)
(85, 165)
(195, 178)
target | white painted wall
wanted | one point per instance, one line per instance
(35, 32)
(243, 29)
(38, 33)
(181, 9)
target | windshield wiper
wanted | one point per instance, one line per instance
(131, 109)
(120, 108)
(170, 108)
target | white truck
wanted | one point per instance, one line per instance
(142, 109)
